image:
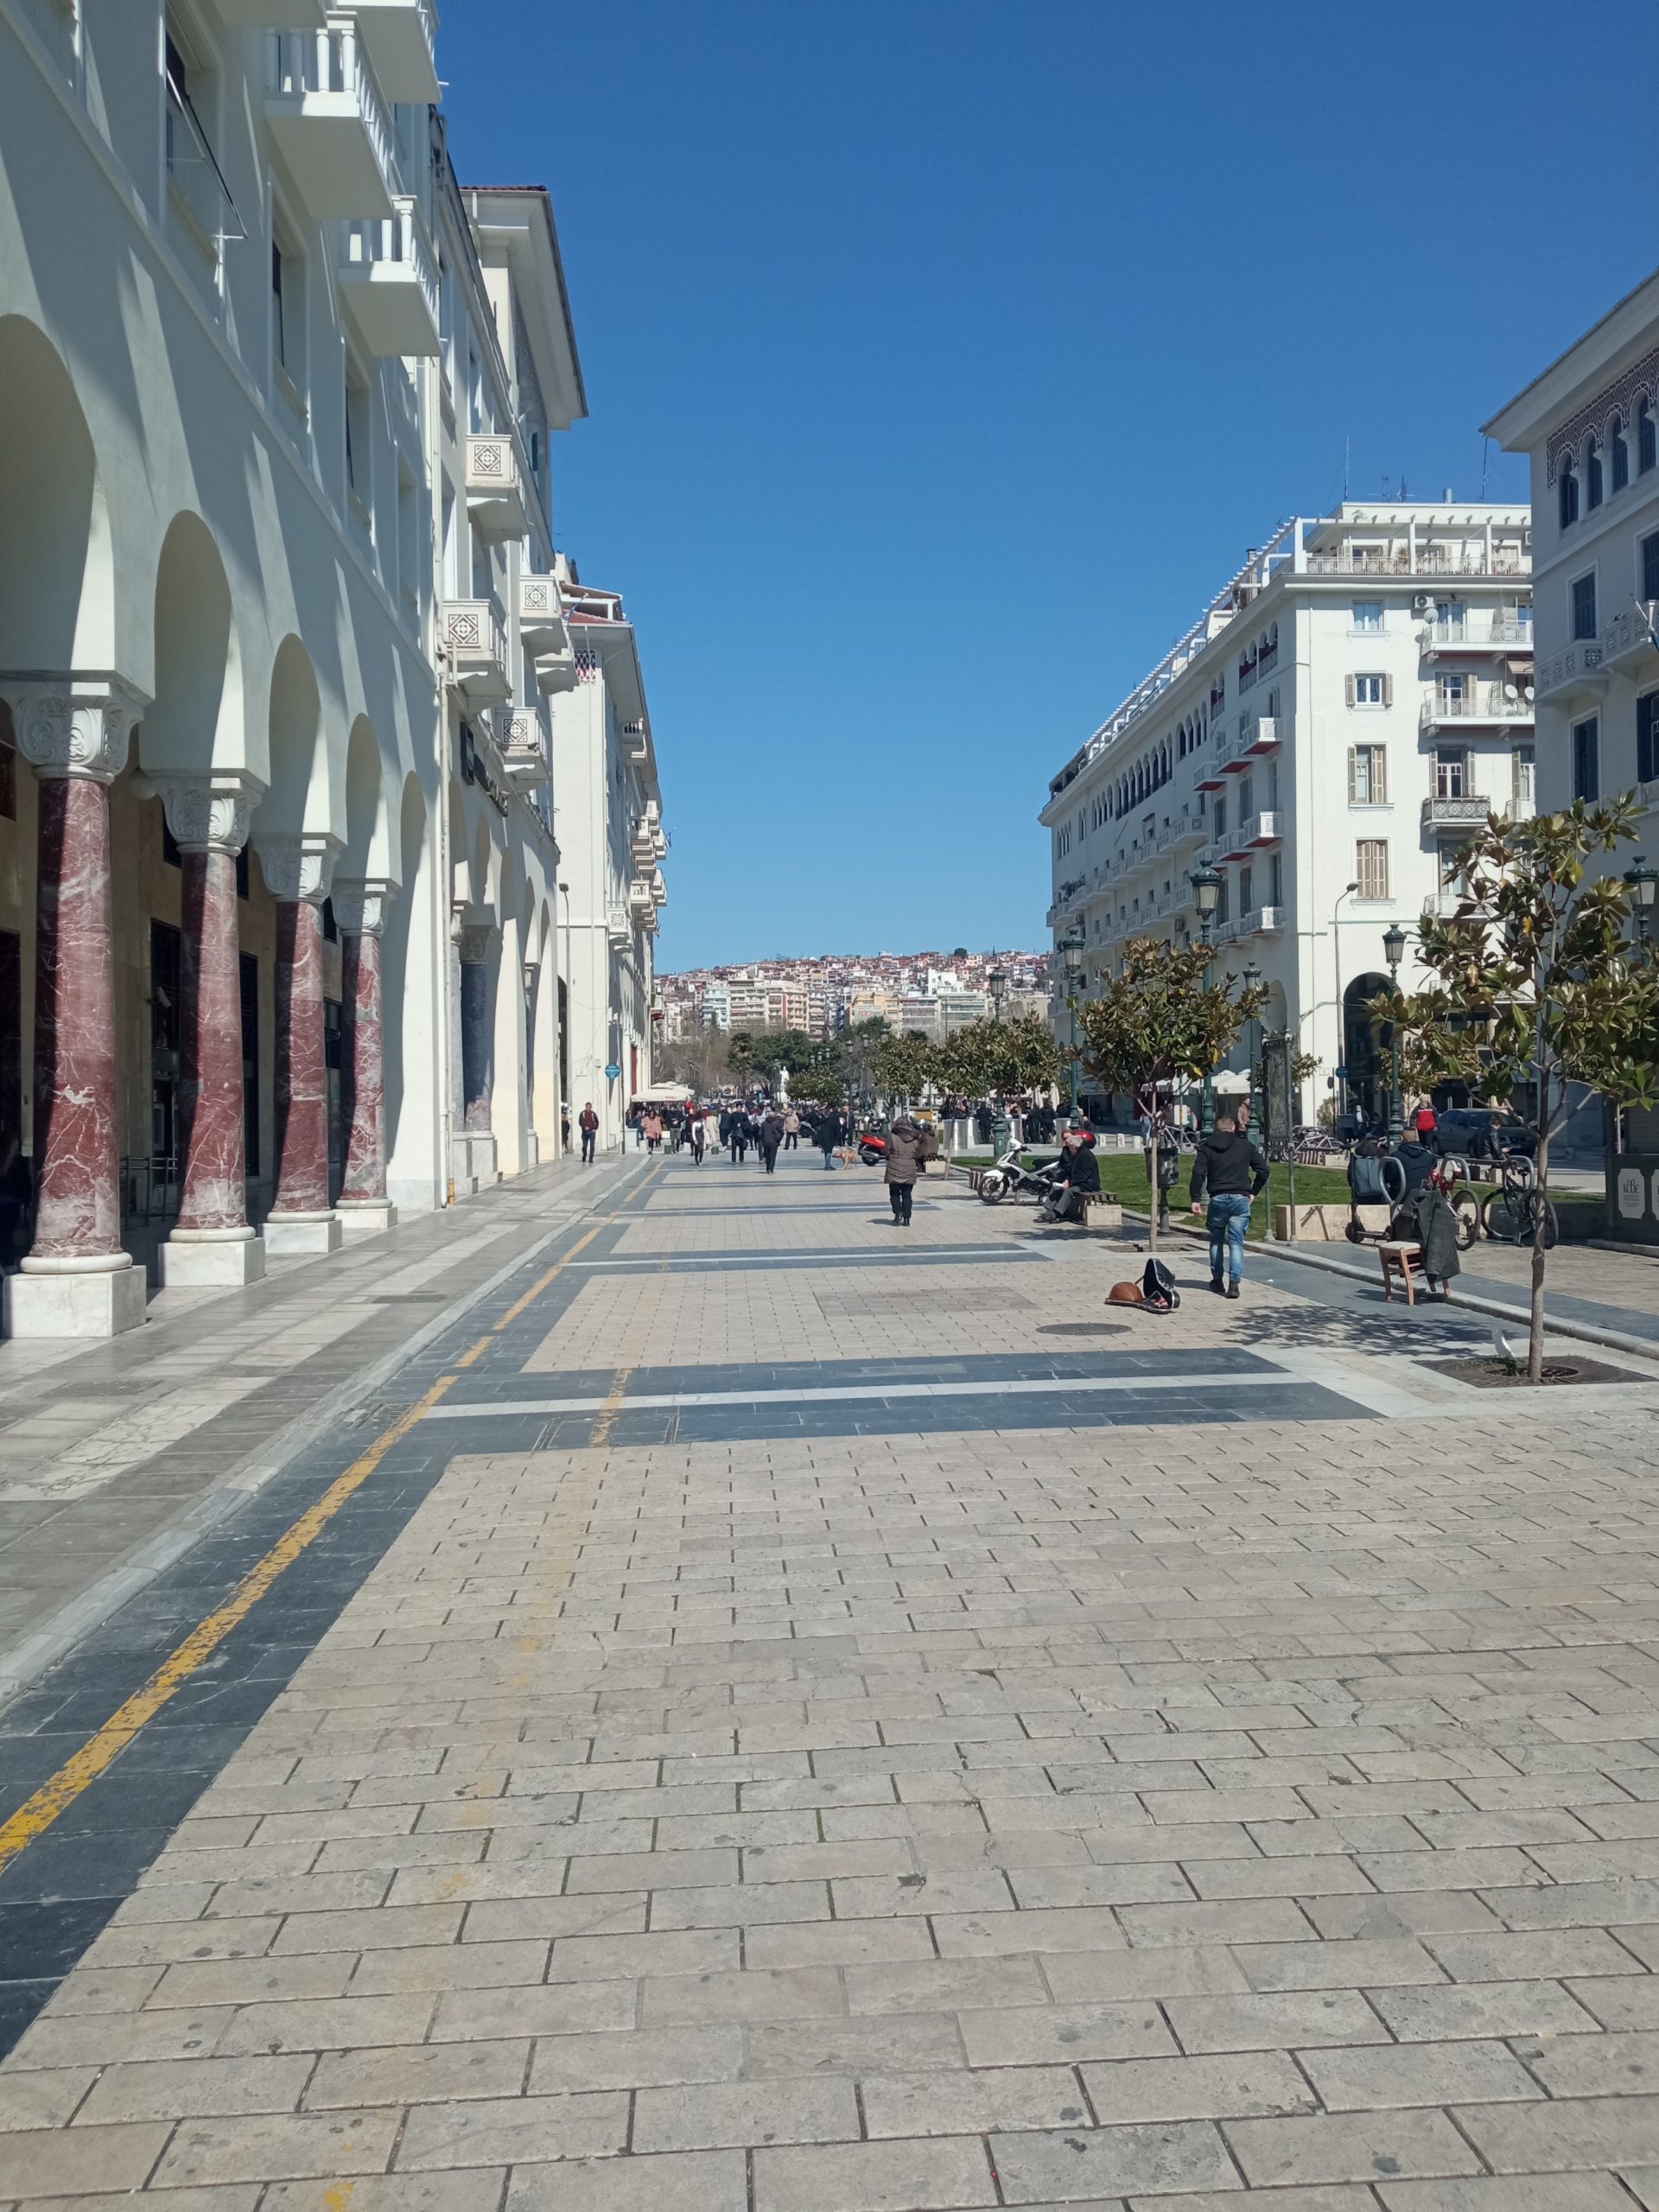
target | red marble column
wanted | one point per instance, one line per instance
(76, 1280)
(359, 910)
(300, 1218)
(208, 817)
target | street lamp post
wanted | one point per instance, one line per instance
(1206, 894)
(1072, 959)
(999, 983)
(1258, 1118)
(1342, 1027)
(1394, 951)
(1643, 883)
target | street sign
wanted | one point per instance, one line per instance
(612, 1070)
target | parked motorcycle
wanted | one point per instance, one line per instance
(1009, 1175)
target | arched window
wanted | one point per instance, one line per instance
(1591, 472)
(1618, 448)
(1567, 492)
(1647, 443)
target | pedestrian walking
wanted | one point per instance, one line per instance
(771, 1135)
(829, 1135)
(696, 1138)
(651, 1123)
(905, 1152)
(1424, 1121)
(637, 1124)
(792, 1131)
(1230, 1169)
(737, 1137)
(587, 1121)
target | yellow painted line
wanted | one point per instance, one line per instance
(612, 1407)
(520, 1305)
(473, 1351)
(32, 1819)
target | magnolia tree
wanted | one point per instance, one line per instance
(903, 1066)
(1537, 986)
(1159, 1023)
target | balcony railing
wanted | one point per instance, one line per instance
(1480, 703)
(1264, 829)
(1500, 632)
(1628, 638)
(473, 634)
(273, 14)
(399, 35)
(541, 614)
(1464, 560)
(495, 497)
(1258, 921)
(1466, 811)
(525, 754)
(1576, 668)
(333, 126)
(389, 282)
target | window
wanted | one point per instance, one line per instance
(1587, 759)
(1368, 691)
(288, 327)
(1649, 549)
(1218, 820)
(360, 439)
(7, 767)
(1583, 606)
(1367, 775)
(1521, 772)
(1221, 913)
(1276, 879)
(278, 316)
(1371, 867)
(1647, 438)
(1566, 492)
(1592, 472)
(1646, 737)
(1246, 798)
(1450, 772)
(1368, 614)
(1451, 691)
(1618, 447)
(1246, 890)
(193, 172)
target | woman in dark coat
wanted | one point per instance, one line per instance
(905, 1152)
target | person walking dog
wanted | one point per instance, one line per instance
(1233, 1172)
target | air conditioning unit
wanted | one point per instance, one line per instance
(1423, 603)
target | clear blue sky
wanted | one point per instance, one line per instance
(942, 357)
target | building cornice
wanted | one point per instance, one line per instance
(1573, 376)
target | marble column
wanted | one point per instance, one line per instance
(532, 1139)
(76, 1279)
(296, 871)
(211, 1242)
(475, 1150)
(359, 909)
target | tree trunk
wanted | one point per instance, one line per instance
(1540, 1214)
(1154, 1128)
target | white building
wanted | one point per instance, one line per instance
(1589, 425)
(277, 620)
(1346, 707)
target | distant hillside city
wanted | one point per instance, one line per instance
(928, 992)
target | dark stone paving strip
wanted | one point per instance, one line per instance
(791, 1259)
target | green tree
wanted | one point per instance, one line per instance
(1032, 1060)
(904, 1066)
(1537, 986)
(973, 1059)
(1156, 1024)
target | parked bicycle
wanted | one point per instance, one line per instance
(1510, 1213)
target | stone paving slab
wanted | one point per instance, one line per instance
(934, 1817)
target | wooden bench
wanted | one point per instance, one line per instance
(1404, 1261)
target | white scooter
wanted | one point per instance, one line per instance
(1008, 1175)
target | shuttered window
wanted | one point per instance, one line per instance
(1371, 867)
(1647, 736)
(1587, 759)
(1650, 567)
(1368, 776)
(1583, 606)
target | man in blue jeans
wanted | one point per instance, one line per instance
(1233, 1172)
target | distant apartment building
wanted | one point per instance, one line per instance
(1330, 727)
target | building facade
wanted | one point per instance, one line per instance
(1346, 707)
(278, 627)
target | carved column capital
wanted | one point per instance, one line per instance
(478, 940)
(296, 865)
(360, 903)
(209, 812)
(73, 725)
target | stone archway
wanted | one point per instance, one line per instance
(1364, 1054)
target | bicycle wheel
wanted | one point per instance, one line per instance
(1552, 1221)
(1505, 1216)
(1467, 1209)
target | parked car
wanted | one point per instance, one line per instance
(1470, 1130)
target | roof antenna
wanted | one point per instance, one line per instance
(1485, 450)
(1347, 444)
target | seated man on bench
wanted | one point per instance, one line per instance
(1077, 1179)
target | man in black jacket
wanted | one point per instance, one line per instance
(1230, 1168)
(1078, 1178)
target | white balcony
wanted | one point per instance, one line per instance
(525, 754)
(400, 36)
(658, 888)
(1498, 633)
(557, 672)
(330, 123)
(473, 634)
(647, 843)
(1456, 816)
(636, 742)
(1259, 921)
(389, 283)
(1627, 641)
(1497, 703)
(618, 928)
(1577, 670)
(1264, 829)
(541, 615)
(495, 497)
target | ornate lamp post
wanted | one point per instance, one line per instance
(1071, 960)
(1643, 883)
(1342, 1026)
(1394, 951)
(1206, 895)
(999, 986)
(1252, 976)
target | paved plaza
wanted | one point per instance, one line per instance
(766, 1711)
